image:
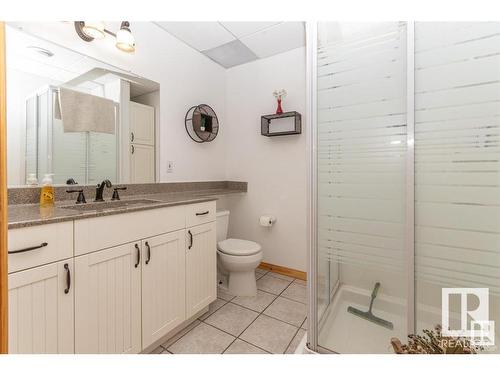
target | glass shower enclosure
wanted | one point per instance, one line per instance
(403, 132)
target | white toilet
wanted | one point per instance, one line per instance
(237, 259)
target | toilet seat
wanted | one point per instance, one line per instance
(234, 246)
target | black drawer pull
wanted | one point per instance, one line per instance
(190, 239)
(68, 278)
(138, 256)
(28, 248)
(202, 213)
(149, 252)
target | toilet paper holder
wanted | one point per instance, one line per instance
(267, 220)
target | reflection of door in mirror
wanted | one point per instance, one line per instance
(87, 157)
(40, 142)
(142, 143)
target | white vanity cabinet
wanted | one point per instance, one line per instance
(41, 309)
(108, 301)
(201, 267)
(41, 284)
(163, 285)
(110, 284)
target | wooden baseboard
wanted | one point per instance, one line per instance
(301, 275)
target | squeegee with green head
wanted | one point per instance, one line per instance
(368, 315)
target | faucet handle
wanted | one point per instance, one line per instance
(116, 196)
(81, 196)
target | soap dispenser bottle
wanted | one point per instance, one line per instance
(47, 191)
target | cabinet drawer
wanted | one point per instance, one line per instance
(200, 213)
(41, 244)
(107, 231)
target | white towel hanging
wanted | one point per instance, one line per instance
(82, 112)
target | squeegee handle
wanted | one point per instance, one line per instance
(375, 290)
(374, 295)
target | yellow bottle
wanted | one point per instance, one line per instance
(47, 191)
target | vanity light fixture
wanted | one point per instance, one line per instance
(94, 29)
(124, 39)
(90, 30)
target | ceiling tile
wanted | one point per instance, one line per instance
(241, 29)
(199, 35)
(231, 54)
(276, 39)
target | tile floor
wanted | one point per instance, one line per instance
(271, 322)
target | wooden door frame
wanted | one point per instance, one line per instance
(3, 199)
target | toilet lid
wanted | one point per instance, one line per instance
(233, 246)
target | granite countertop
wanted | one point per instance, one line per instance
(25, 215)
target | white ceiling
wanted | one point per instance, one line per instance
(65, 67)
(234, 43)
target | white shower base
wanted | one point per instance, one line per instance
(343, 332)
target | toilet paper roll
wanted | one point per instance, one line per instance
(267, 220)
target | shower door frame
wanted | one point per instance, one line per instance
(311, 133)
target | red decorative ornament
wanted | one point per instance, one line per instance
(279, 110)
(279, 94)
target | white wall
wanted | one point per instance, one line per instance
(186, 78)
(275, 168)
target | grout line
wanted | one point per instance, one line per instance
(213, 312)
(232, 342)
(293, 300)
(257, 346)
(290, 343)
(262, 313)
(238, 337)
(280, 295)
(184, 334)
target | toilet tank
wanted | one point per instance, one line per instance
(222, 222)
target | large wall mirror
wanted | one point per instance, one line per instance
(77, 118)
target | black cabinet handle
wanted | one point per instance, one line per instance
(138, 256)
(202, 213)
(133, 149)
(149, 252)
(190, 239)
(68, 278)
(132, 137)
(28, 248)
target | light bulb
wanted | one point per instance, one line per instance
(125, 40)
(94, 29)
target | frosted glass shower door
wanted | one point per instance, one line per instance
(457, 164)
(361, 176)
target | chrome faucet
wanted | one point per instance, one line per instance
(99, 189)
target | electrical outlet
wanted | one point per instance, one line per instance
(170, 167)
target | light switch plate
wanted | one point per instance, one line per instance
(170, 166)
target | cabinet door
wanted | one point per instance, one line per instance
(163, 285)
(142, 124)
(41, 309)
(201, 258)
(142, 164)
(108, 301)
